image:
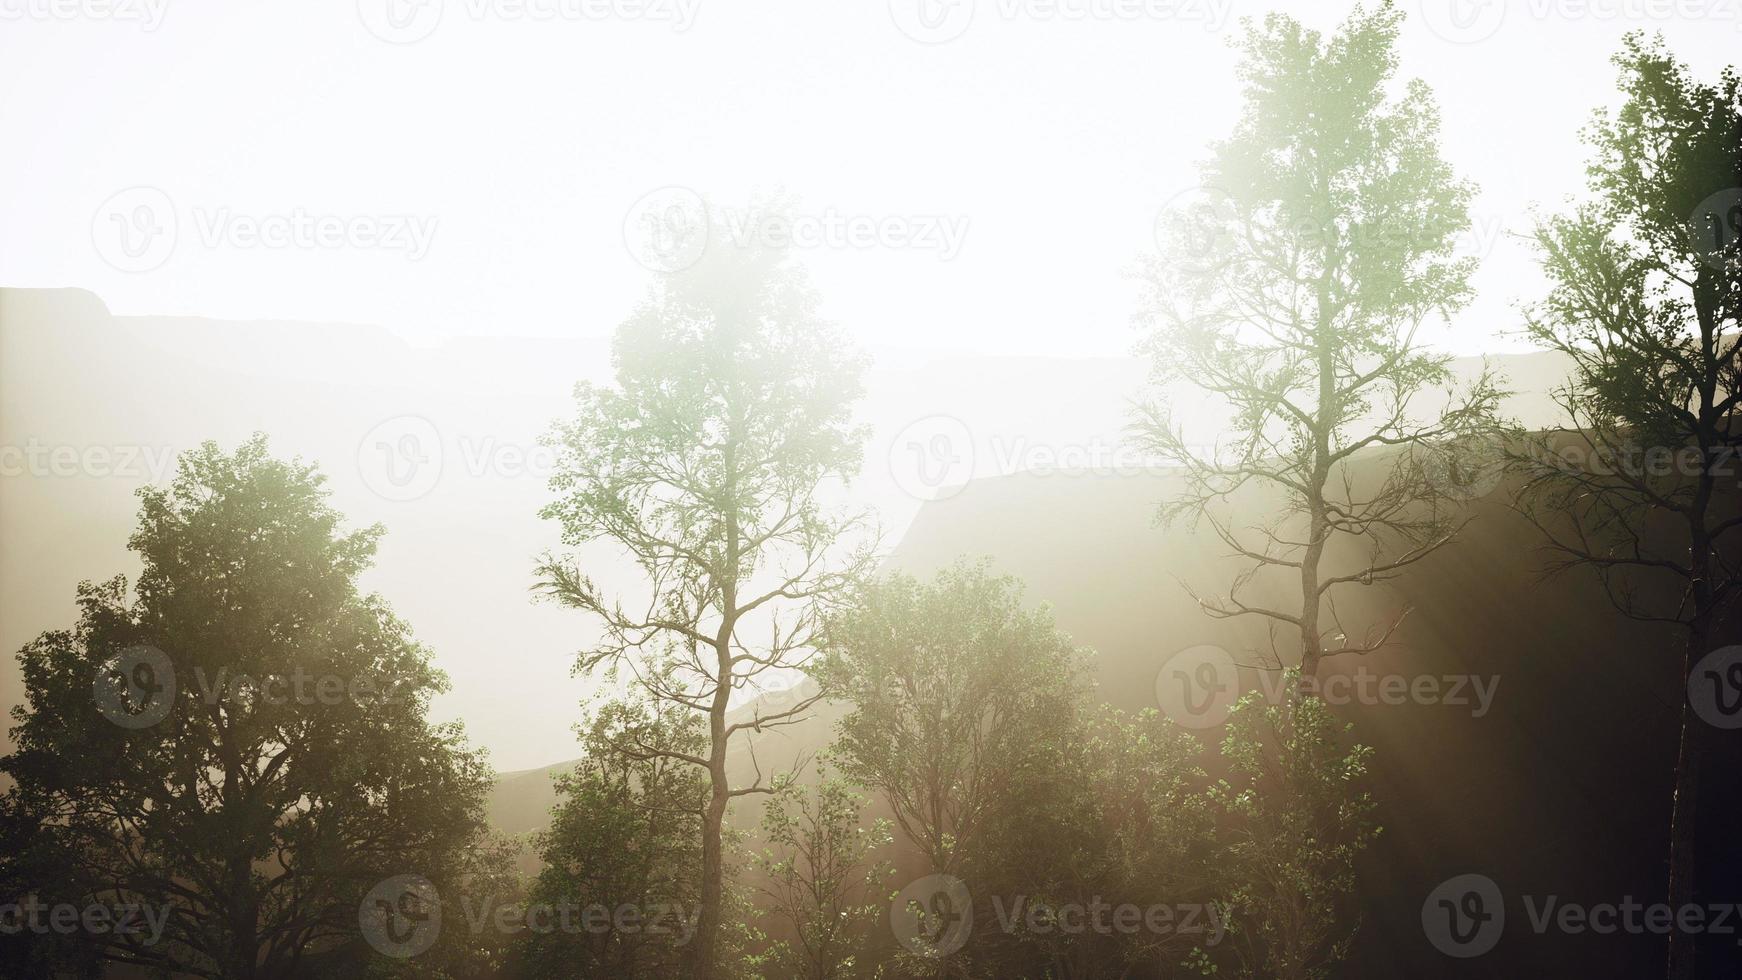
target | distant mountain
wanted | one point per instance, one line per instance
(457, 424)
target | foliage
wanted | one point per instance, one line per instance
(1300, 818)
(703, 463)
(1294, 299)
(1649, 314)
(825, 883)
(627, 834)
(960, 703)
(1139, 831)
(972, 717)
(1646, 305)
(254, 815)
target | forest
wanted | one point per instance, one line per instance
(807, 757)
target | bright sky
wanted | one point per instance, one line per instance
(477, 176)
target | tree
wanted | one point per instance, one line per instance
(704, 462)
(240, 746)
(1333, 228)
(1640, 488)
(627, 834)
(963, 710)
(1141, 833)
(824, 882)
(1138, 832)
(1300, 819)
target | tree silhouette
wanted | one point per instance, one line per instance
(1646, 305)
(242, 744)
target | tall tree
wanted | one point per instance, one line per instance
(1646, 305)
(241, 745)
(1332, 230)
(704, 462)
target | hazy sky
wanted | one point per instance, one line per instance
(474, 171)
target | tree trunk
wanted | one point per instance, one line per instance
(244, 951)
(1681, 827)
(1705, 864)
(1705, 859)
(704, 963)
(704, 958)
(1318, 520)
(1311, 649)
(1717, 857)
(241, 909)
